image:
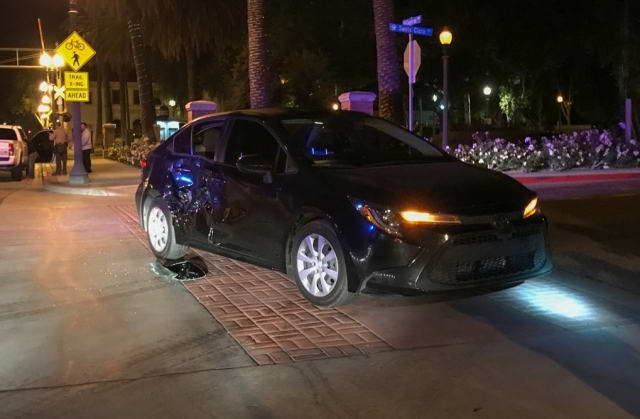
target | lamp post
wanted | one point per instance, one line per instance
(52, 65)
(78, 174)
(445, 39)
(487, 93)
(560, 100)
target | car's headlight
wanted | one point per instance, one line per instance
(531, 209)
(390, 221)
(429, 218)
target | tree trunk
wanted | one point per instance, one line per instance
(99, 110)
(191, 74)
(259, 96)
(142, 72)
(623, 78)
(124, 104)
(389, 98)
(106, 91)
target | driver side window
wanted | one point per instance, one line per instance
(250, 138)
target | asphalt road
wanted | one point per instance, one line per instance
(90, 328)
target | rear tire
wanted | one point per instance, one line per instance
(319, 267)
(16, 173)
(160, 231)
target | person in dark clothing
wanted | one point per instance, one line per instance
(37, 142)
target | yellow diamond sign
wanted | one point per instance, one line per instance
(75, 51)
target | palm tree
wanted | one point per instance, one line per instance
(114, 30)
(259, 96)
(209, 20)
(389, 98)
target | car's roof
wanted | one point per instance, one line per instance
(10, 126)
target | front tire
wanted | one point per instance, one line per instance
(319, 266)
(160, 231)
(16, 173)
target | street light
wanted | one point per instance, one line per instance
(445, 39)
(560, 99)
(335, 106)
(172, 103)
(487, 93)
(435, 98)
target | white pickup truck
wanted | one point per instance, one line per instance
(13, 150)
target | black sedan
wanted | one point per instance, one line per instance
(340, 201)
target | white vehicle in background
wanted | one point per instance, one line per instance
(13, 150)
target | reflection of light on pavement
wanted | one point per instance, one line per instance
(557, 302)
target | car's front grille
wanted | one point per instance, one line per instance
(488, 256)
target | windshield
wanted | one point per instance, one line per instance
(358, 141)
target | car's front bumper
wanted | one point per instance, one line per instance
(465, 260)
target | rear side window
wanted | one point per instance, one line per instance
(205, 139)
(182, 141)
(8, 134)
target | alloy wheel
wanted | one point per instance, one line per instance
(317, 265)
(158, 229)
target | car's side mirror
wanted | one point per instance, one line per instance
(254, 163)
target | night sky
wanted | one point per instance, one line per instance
(20, 22)
(20, 30)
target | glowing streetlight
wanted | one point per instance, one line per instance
(172, 103)
(335, 106)
(487, 93)
(435, 98)
(445, 39)
(560, 99)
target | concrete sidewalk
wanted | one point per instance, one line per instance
(110, 178)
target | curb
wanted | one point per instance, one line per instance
(56, 187)
(527, 180)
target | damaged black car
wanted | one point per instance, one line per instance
(342, 202)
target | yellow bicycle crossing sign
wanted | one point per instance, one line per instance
(75, 51)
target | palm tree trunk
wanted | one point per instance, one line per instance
(99, 111)
(124, 104)
(106, 91)
(389, 98)
(259, 96)
(191, 74)
(142, 72)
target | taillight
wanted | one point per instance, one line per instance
(143, 164)
(11, 152)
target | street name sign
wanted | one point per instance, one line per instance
(75, 51)
(412, 60)
(411, 30)
(77, 85)
(412, 20)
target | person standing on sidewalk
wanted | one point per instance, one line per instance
(87, 145)
(60, 140)
(32, 148)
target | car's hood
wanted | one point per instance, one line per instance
(445, 187)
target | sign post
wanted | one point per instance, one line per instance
(412, 57)
(76, 53)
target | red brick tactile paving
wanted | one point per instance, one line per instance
(265, 313)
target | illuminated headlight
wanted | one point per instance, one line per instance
(531, 209)
(390, 221)
(426, 217)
